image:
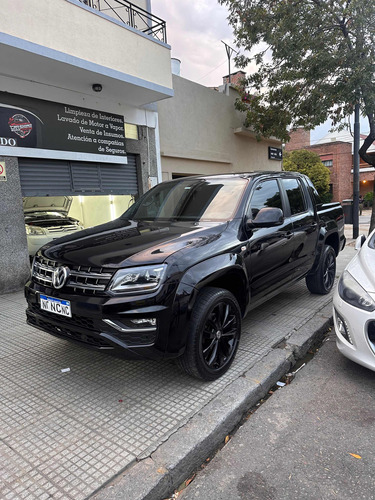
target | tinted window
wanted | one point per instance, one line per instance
(318, 201)
(190, 199)
(266, 194)
(295, 196)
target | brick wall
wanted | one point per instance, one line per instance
(341, 177)
(299, 139)
(235, 78)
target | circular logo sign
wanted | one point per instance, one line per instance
(20, 125)
(59, 276)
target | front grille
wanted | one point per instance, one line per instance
(80, 321)
(68, 333)
(83, 279)
(59, 229)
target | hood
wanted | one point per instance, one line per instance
(59, 204)
(124, 243)
(362, 267)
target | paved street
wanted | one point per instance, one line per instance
(65, 434)
(312, 440)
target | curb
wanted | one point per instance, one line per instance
(157, 476)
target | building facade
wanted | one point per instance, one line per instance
(78, 85)
(201, 132)
(335, 150)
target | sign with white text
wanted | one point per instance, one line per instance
(34, 123)
(275, 153)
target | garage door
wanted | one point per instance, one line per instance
(60, 177)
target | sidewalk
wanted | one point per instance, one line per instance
(138, 427)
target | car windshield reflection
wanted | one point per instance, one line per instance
(190, 200)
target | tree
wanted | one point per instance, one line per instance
(315, 60)
(308, 163)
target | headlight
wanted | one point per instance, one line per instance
(138, 279)
(34, 230)
(352, 292)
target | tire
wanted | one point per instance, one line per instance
(213, 336)
(321, 282)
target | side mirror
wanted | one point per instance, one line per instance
(359, 241)
(267, 217)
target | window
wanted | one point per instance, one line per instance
(131, 131)
(266, 194)
(295, 195)
(190, 200)
(327, 163)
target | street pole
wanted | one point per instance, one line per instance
(356, 174)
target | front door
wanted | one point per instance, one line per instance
(269, 259)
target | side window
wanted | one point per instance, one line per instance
(266, 194)
(295, 196)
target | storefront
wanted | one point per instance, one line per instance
(50, 150)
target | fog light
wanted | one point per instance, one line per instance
(144, 321)
(343, 328)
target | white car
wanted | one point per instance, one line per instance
(46, 219)
(354, 305)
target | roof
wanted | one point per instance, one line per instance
(342, 136)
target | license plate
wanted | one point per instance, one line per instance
(56, 306)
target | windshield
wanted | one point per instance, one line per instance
(190, 199)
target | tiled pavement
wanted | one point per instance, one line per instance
(64, 435)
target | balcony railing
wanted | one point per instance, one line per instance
(134, 16)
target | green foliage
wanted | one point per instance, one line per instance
(312, 59)
(368, 199)
(308, 163)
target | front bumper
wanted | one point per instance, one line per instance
(360, 325)
(117, 335)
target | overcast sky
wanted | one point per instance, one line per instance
(195, 29)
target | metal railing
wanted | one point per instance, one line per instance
(134, 16)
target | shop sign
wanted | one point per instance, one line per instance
(26, 122)
(275, 153)
(3, 173)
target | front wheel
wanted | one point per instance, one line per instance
(321, 282)
(214, 333)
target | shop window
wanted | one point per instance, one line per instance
(131, 131)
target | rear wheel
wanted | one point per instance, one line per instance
(214, 333)
(321, 282)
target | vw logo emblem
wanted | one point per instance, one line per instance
(59, 276)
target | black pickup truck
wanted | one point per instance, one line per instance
(177, 272)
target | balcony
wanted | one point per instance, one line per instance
(132, 15)
(72, 44)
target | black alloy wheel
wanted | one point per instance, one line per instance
(219, 335)
(323, 279)
(214, 333)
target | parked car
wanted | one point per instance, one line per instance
(46, 219)
(177, 272)
(354, 305)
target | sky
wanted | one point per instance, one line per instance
(195, 29)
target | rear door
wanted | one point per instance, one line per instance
(305, 227)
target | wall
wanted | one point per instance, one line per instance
(299, 139)
(76, 30)
(95, 210)
(341, 177)
(14, 268)
(197, 133)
